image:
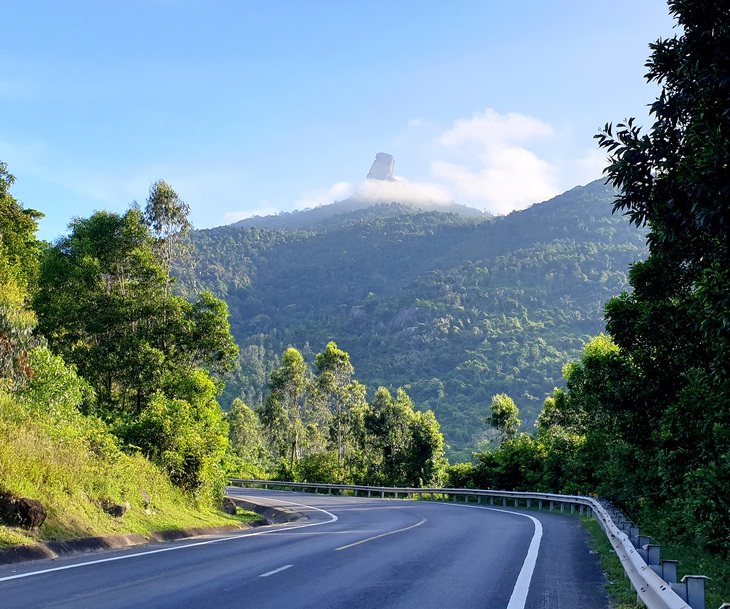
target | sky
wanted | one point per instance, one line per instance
(253, 107)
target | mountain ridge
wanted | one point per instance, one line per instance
(454, 308)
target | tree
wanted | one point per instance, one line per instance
(339, 392)
(245, 434)
(19, 252)
(19, 248)
(103, 303)
(402, 447)
(167, 216)
(675, 327)
(283, 411)
(504, 416)
(184, 431)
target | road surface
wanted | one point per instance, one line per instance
(348, 553)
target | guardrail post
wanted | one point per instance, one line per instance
(572, 508)
(539, 504)
(491, 500)
(552, 504)
(529, 503)
(692, 590)
(504, 501)
(695, 590)
(633, 535)
(669, 571)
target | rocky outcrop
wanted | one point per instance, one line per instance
(229, 506)
(116, 509)
(21, 511)
(382, 168)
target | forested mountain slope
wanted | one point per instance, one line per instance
(455, 309)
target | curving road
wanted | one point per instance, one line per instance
(349, 553)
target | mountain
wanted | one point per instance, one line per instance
(379, 189)
(452, 307)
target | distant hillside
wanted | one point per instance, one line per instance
(454, 308)
(312, 218)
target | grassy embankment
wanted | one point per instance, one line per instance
(75, 468)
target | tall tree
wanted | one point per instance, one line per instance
(675, 326)
(245, 434)
(283, 411)
(403, 447)
(340, 393)
(19, 248)
(19, 252)
(167, 215)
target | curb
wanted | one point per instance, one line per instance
(271, 514)
(88, 545)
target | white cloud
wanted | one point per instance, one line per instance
(325, 196)
(491, 130)
(488, 162)
(401, 190)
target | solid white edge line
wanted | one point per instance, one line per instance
(333, 518)
(518, 599)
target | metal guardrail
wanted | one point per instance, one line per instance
(654, 580)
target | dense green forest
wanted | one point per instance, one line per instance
(453, 308)
(551, 349)
(109, 380)
(644, 417)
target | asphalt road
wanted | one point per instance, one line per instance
(349, 553)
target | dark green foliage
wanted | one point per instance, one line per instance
(402, 447)
(319, 428)
(515, 466)
(453, 309)
(19, 248)
(675, 327)
(104, 301)
(19, 252)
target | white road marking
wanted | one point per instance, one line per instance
(357, 543)
(518, 600)
(333, 518)
(275, 571)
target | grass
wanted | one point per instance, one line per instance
(75, 469)
(692, 561)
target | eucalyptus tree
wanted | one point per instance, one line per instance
(167, 216)
(283, 410)
(340, 394)
(402, 447)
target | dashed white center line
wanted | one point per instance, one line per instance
(279, 570)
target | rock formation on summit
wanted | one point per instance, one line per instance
(382, 168)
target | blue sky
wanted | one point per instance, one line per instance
(253, 107)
